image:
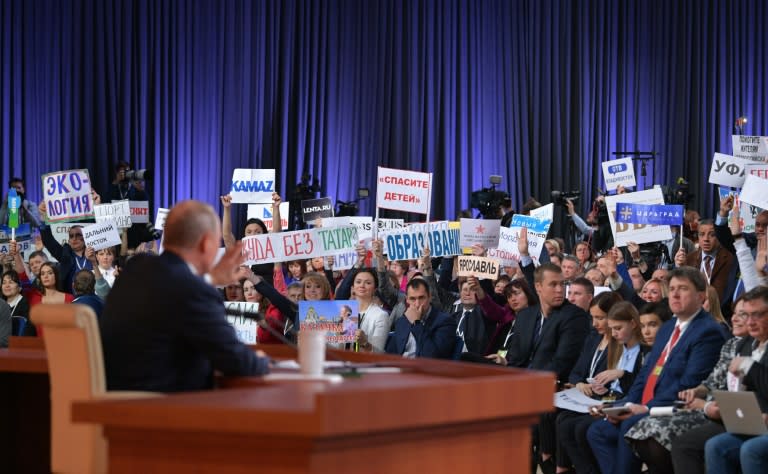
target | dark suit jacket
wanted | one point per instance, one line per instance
(164, 329)
(723, 272)
(689, 362)
(66, 257)
(580, 371)
(561, 339)
(435, 337)
(478, 329)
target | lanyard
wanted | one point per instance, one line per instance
(595, 360)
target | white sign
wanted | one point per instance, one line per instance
(264, 212)
(300, 244)
(139, 212)
(483, 232)
(638, 233)
(572, 399)
(101, 235)
(118, 211)
(245, 328)
(755, 191)
(409, 243)
(544, 212)
(384, 225)
(403, 190)
(758, 169)
(728, 170)
(252, 186)
(21, 245)
(506, 253)
(344, 261)
(618, 173)
(364, 224)
(753, 148)
(67, 195)
(60, 232)
(162, 214)
(480, 267)
(537, 230)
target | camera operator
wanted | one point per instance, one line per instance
(132, 188)
(599, 232)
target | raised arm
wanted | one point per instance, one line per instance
(226, 221)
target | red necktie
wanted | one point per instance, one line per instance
(650, 384)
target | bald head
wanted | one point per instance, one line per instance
(187, 223)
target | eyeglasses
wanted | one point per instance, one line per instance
(755, 315)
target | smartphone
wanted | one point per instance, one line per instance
(679, 404)
(616, 411)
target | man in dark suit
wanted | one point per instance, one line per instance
(163, 328)
(715, 263)
(548, 336)
(423, 331)
(473, 330)
(684, 353)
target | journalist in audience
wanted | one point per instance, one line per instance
(50, 287)
(654, 291)
(580, 293)
(652, 317)
(163, 327)
(84, 290)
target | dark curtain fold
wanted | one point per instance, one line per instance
(540, 92)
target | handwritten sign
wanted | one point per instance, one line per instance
(101, 235)
(402, 190)
(339, 319)
(480, 267)
(244, 328)
(118, 211)
(483, 232)
(312, 209)
(753, 148)
(67, 195)
(728, 170)
(639, 233)
(252, 185)
(408, 243)
(264, 212)
(139, 212)
(300, 244)
(619, 172)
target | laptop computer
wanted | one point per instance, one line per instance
(740, 412)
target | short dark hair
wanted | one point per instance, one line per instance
(522, 285)
(758, 293)
(416, 283)
(581, 281)
(691, 274)
(13, 275)
(538, 274)
(257, 221)
(706, 221)
(84, 283)
(15, 179)
(606, 300)
(37, 253)
(660, 309)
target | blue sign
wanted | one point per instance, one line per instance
(531, 223)
(651, 214)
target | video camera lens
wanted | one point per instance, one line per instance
(138, 175)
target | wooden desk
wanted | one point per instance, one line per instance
(434, 416)
(25, 430)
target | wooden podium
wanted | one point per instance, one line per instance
(433, 416)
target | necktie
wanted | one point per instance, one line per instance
(708, 267)
(462, 326)
(650, 384)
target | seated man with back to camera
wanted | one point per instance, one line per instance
(163, 327)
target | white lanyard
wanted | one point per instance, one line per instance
(595, 360)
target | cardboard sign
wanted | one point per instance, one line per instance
(639, 233)
(755, 191)
(728, 170)
(537, 234)
(339, 319)
(544, 212)
(480, 267)
(264, 212)
(244, 328)
(118, 211)
(300, 244)
(506, 253)
(67, 196)
(162, 214)
(312, 209)
(749, 147)
(483, 232)
(252, 185)
(101, 235)
(619, 172)
(409, 243)
(139, 211)
(402, 190)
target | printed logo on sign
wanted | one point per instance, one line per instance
(252, 186)
(617, 168)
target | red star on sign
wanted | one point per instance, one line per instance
(480, 229)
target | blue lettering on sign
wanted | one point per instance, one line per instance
(531, 223)
(267, 214)
(613, 169)
(252, 186)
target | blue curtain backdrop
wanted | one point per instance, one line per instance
(538, 91)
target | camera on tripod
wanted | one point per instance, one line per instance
(560, 197)
(488, 200)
